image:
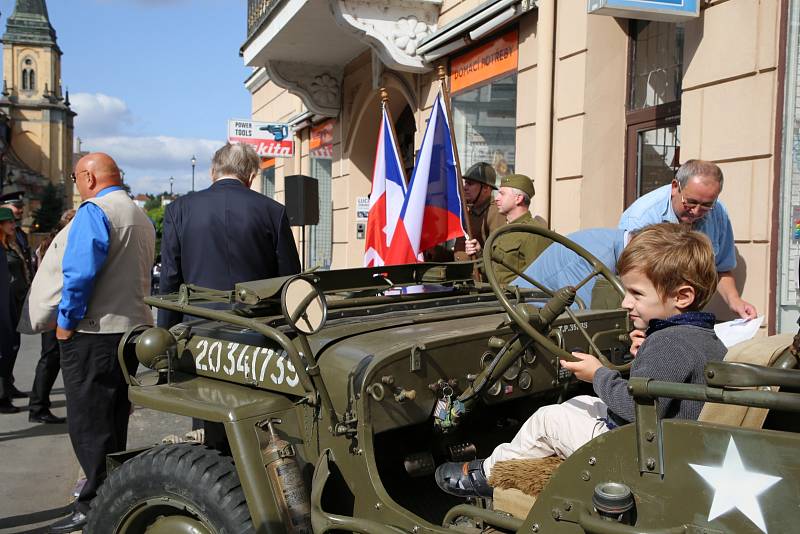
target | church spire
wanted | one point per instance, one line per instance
(30, 24)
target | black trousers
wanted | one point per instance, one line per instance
(97, 404)
(46, 372)
(7, 361)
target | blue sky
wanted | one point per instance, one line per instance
(153, 81)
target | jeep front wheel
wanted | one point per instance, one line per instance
(170, 489)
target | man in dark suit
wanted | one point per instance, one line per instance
(225, 234)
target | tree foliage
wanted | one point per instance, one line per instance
(51, 205)
(157, 216)
(153, 202)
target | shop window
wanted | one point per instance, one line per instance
(268, 177)
(484, 104)
(321, 236)
(653, 116)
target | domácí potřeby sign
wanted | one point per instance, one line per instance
(270, 139)
(662, 10)
(492, 60)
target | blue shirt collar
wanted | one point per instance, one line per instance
(108, 190)
(668, 215)
(693, 318)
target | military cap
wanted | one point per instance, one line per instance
(482, 172)
(519, 181)
(13, 197)
(6, 214)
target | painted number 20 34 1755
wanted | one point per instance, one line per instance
(249, 364)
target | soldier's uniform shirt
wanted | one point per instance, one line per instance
(518, 249)
(483, 219)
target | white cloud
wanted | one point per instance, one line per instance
(100, 114)
(105, 123)
(148, 162)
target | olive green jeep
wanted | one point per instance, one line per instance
(330, 398)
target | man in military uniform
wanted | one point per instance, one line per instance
(479, 182)
(516, 249)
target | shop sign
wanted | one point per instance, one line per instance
(362, 209)
(492, 60)
(661, 10)
(270, 139)
(322, 140)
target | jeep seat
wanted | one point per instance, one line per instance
(758, 351)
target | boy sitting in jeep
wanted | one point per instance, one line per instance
(668, 273)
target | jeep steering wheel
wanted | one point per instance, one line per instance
(519, 316)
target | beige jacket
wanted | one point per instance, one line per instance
(41, 306)
(117, 302)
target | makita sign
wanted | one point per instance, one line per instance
(270, 139)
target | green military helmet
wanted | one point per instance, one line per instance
(482, 172)
(154, 347)
(519, 181)
(6, 214)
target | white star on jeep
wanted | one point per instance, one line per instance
(735, 487)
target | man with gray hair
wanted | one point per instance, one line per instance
(225, 234)
(692, 199)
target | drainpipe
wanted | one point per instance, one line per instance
(546, 33)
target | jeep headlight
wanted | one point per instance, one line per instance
(154, 347)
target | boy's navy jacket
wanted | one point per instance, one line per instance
(676, 349)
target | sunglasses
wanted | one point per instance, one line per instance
(74, 176)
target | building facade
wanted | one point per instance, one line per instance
(40, 145)
(597, 109)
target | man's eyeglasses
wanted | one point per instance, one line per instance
(74, 175)
(692, 204)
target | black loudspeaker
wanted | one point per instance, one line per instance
(302, 200)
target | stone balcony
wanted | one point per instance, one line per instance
(305, 44)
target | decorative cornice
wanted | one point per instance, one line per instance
(318, 86)
(392, 28)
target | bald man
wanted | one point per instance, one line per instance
(106, 275)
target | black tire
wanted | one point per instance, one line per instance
(184, 482)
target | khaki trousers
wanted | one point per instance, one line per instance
(555, 430)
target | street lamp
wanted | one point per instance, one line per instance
(194, 161)
(171, 180)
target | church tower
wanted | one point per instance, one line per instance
(40, 119)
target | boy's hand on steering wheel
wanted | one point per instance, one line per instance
(585, 368)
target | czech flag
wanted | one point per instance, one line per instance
(432, 211)
(386, 198)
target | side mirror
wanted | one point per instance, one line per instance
(304, 306)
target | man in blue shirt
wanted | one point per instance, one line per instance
(692, 199)
(106, 275)
(559, 266)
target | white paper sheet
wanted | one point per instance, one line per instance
(738, 330)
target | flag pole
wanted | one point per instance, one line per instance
(442, 76)
(384, 101)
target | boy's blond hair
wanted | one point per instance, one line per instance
(671, 255)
